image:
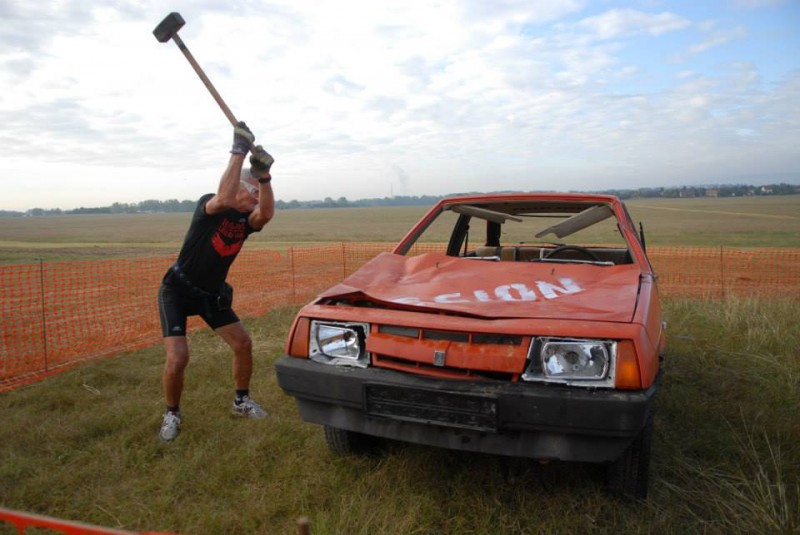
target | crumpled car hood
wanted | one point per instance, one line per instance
(557, 291)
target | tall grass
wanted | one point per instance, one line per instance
(726, 456)
(730, 413)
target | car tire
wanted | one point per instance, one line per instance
(629, 475)
(342, 442)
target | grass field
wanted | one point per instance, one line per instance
(734, 222)
(83, 446)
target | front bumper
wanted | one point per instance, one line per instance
(518, 419)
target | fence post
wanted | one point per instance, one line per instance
(344, 262)
(44, 311)
(722, 271)
(291, 267)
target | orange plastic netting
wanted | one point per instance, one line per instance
(55, 315)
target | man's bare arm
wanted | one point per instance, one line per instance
(265, 210)
(228, 186)
(229, 183)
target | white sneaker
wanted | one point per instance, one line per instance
(170, 426)
(249, 409)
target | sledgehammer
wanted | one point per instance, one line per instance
(168, 29)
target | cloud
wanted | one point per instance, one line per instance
(719, 38)
(429, 97)
(618, 23)
(28, 26)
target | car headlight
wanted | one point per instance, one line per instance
(339, 343)
(560, 360)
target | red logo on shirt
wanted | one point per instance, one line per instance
(229, 237)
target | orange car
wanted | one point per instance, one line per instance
(517, 324)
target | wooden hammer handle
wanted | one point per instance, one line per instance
(225, 109)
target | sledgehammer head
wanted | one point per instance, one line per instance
(168, 28)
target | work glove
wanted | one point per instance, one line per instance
(260, 162)
(242, 139)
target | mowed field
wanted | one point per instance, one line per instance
(750, 222)
(83, 445)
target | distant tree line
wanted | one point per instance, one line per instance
(342, 202)
(142, 207)
(174, 205)
(676, 192)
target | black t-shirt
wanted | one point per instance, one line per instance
(211, 245)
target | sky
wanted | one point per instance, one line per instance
(363, 99)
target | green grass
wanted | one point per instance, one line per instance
(83, 446)
(734, 222)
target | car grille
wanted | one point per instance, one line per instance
(456, 355)
(449, 409)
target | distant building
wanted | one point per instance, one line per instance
(712, 192)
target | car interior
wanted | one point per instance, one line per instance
(525, 231)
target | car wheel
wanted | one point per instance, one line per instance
(342, 442)
(628, 476)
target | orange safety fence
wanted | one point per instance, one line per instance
(23, 521)
(56, 315)
(723, 272)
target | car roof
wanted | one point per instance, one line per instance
(529, 196)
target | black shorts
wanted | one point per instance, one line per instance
(175, 304)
